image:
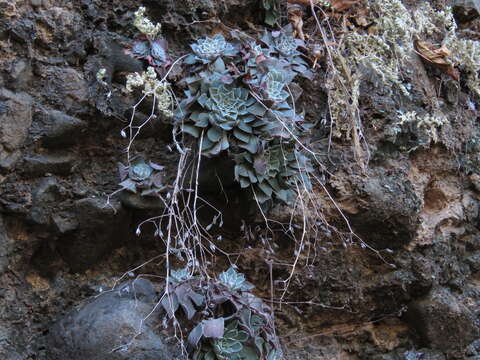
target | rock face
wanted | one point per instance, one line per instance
(409, 290)
(111, 327)
(15, 120)
(443, 321)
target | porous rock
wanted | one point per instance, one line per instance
(442, 321)
(100, 228)
(15, 119)
(60, 129)
(111, 327)
(56, 163)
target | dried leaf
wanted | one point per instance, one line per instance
(437, 58)
(343, 5)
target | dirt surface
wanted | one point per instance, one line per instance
(409, 289)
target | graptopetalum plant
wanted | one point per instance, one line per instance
(239, 98)
(141, 177)
(231, 322)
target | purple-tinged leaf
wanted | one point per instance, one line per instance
(196, 298)
(170, 304)
(157, 180)
(226, 79)
(214, 328)
(122, 171)
(129, 185)
(156, 166)
(187, 306)
(195, 335)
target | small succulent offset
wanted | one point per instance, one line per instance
(234, 281)
(179, 276)
(273, 174)
(210, 48)
(152, 86)
(231, 346)
(285, 48)
(142, 178)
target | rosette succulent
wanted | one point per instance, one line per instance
(232, 344)
(141, 177)
(273, 174)
(234, 280)
(154, 52)
(274, 84)
(284, 47)
(210, 48)
(179, 276)
(226, 110)
(286, 44)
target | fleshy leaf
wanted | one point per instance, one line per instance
(213, 328)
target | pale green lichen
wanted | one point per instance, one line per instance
(428, 124)
(372, 52)
(431, 22)
(144, 25)
(385, 53)
(152, 86)
(101, 75)
(466, 55)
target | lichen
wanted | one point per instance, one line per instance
(144, 25)
(466, 55)
(427, 124)
(382, 55)
(152, 86)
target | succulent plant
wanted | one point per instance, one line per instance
(154, 52)
(275, 82)
(224, 110)
(286, 44)
(234, 281)
(241, 104)
(180, 276)
(284, 47)
(231, 345)
(273, 173)
(272, 11)
(141, 177)
(210, 48)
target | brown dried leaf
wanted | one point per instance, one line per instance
(295, 16)
(436, 57)
(343, 5)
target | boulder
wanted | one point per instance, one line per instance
(112, 326)
(442, 321)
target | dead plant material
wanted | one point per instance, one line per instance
(295, 17)
(436, 58)
(337, 5)
(343, 5)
